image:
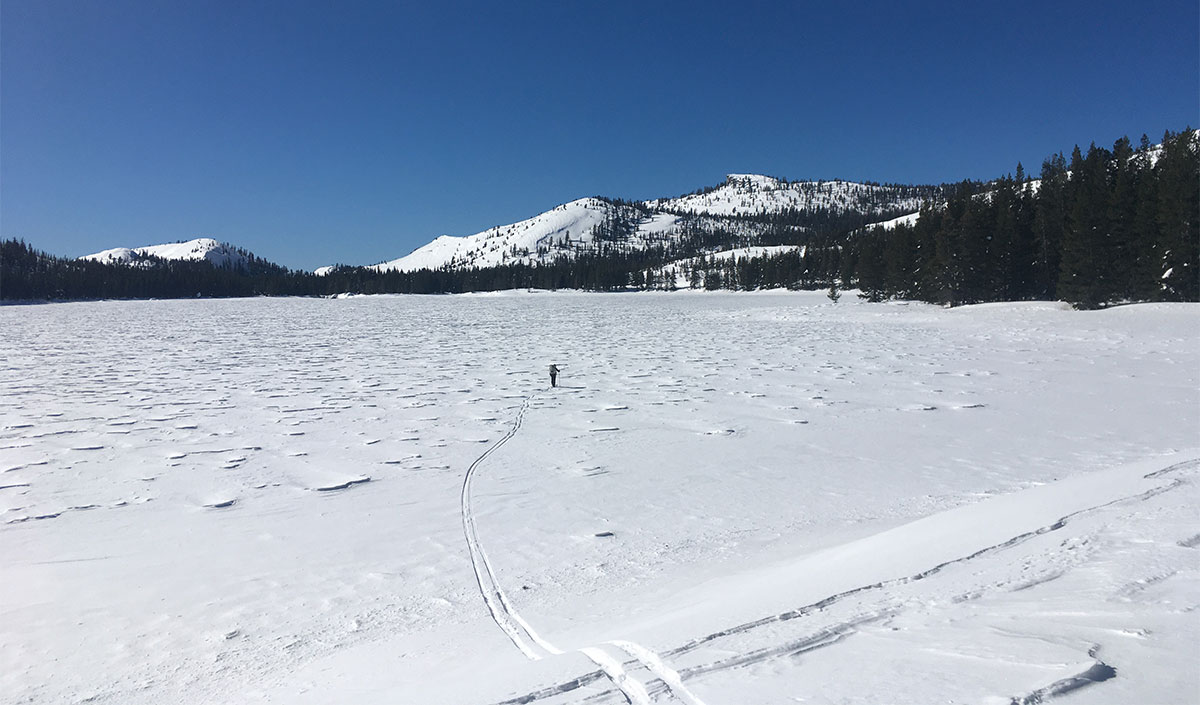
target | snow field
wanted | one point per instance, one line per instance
(263, 500)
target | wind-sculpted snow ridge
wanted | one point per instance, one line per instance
(220, 254)
(1098, 672)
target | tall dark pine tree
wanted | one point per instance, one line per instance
(1146, 269)
(1001, 241)
(1122, 213)
(899, 260)
(947, 276)
(975, 260)
(1049, 223)
(1084, 277)
(871, 268)
(1022, 272)
(925, 235)
(1179, 215)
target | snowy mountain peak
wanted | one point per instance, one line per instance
(203, 248)
(755, 194)
(567, 226)
(752, 180)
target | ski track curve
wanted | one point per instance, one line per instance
(526, 638)
(485, 578)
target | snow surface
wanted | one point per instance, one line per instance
(731, 498)
(220, 254)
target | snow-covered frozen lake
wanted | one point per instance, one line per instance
(729, 499)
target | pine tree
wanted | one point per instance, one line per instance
(1146, 244)
(1179, 215)
(1084, 277)
(1049, 224)
(1122, 213)
(899, 261)
(871, 269)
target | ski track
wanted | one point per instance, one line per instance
(489, 587)
(835, 634)
(523, 635)
(656, 665)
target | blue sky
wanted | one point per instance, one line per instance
(313, 133)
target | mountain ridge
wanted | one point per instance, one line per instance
(744, 207)
(744, 204)
(220, 254)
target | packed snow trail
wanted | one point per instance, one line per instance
(524, 637)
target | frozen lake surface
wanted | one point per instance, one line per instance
(729, 499)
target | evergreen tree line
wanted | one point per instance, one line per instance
(1108, 226)
(29, 275)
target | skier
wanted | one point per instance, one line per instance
(553, 375)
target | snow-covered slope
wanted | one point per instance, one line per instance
(204, 248)
(551, 230)
(907, 220)
(568, 229)
(565, 229)
(749, 194)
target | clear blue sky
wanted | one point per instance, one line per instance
(321, 132)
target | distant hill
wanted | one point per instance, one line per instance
(744, 209)
(204, 248)
(754, 194)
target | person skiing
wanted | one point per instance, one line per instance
(553, 375)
